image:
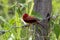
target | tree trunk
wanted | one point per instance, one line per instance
(44, 7)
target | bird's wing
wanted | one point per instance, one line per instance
(30, 18)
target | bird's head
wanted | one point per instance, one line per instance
(25, 15)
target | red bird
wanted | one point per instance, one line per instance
(29, 19)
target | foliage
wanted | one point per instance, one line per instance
(55, 22)
(11, 12)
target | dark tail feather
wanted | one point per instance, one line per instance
(41, 24)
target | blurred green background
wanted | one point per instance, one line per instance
(11, 12)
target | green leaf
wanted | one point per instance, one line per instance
(57, 30)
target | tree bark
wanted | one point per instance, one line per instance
(44, 7)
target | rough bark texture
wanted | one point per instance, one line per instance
(44, 8)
